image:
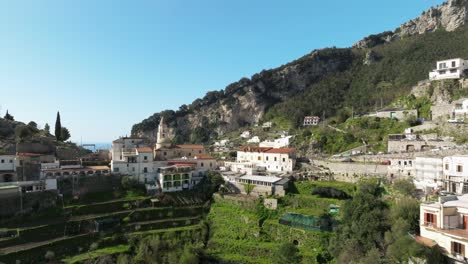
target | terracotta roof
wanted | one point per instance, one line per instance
(425, 241)
(176, 163)
(253, 149)
(200, 157)
(281, 150)
(145, 150)
(190, 146)
(98, 167)
(266, 150)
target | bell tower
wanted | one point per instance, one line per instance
(163, 138)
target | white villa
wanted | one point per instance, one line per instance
(311, 120)
(456, 174)
(251, 159)
(445, 223)
(282, 142)
(131, 156)
(449, 69)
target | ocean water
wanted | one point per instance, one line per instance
(98, 145)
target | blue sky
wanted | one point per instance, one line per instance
(107, 65)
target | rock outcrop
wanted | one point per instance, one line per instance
(448, 16)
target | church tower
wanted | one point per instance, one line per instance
(163, 137)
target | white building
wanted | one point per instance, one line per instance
(401, 168)
(269, 159)
(445, 223)
(460, 110)
(282, 142)
(7, 168)
(311, 120)
(130, 156)
(449, 69)
(262, 185)
(428, 173)
(254, 140)
(456, 174)
(245, 134)
(175, 178)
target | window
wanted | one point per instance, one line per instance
(11, 161)
(410, 163)
(399, 162)
(165, 153)
(446, 166)
(405, 163)
(133, 169)
(115, 170)
(145, 170)
(459, 168)
(275, 158)
(202, 164)
(267, 158)
(453, 63)
(430, 219)
(3, 161)
(458, 248)
(284, 159)
(199, 152)
(453, 71)
(259, 158)
(145, 158)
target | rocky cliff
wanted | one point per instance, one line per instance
(325, 80)
(448, 16)
(243, 103)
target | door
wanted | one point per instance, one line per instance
(465, 222)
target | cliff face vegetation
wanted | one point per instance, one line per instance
(373, 72)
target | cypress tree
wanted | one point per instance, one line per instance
(58, 128)
(9, 117)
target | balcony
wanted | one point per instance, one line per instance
(129, 152)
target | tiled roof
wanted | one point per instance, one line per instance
(200, 157)
(267, 150)
(253, 149)
(281, 150)
(190, 146)
(145, 150)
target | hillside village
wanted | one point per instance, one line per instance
(258, 163)
(353, 155)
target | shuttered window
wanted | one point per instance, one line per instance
(457, 248)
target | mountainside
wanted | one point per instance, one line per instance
(374, 71)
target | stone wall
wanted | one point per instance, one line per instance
(352, 171)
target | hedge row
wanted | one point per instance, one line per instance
(161, 225)
(67, 247)
(102, 208)
(35, 235)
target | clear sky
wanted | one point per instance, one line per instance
(108, 64)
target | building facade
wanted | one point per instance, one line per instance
(456, 174)
(311, 121)
(429, 173)
(449, 69)
(279, 160)
(445, 223)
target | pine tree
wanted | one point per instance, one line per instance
(58, 128)
(9, 117)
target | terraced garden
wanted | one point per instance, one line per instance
(251, 234)
(95, 230)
